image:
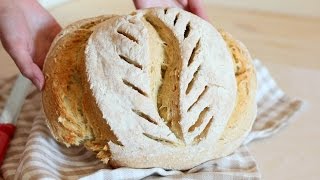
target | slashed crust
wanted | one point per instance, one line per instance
(63, 91)
(120, 58)
(244, 113)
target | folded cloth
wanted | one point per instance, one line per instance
(34, 154)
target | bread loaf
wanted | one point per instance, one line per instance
(156, 88)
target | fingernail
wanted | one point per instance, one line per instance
(38, 84)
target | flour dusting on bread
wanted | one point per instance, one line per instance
(156, 88)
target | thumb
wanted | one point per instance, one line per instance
(28, 68)
(197, 8)
(138, 4)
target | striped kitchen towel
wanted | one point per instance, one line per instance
(34, 154)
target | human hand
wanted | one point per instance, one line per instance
(26, 32)
(194, 6)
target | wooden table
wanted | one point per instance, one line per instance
(286, 44)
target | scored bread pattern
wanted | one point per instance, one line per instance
(158, 87)
(186, 32)
(129, 61)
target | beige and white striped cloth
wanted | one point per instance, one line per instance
(34, 154)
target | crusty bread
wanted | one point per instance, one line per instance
(244, 113)
(63, 91)
(157, 88)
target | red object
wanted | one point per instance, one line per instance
(6, 133)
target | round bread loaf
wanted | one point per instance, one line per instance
(156, 88)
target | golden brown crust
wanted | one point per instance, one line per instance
(102, 132)
(63, 89)
(244, 114)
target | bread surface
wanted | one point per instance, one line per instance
(156, 88)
